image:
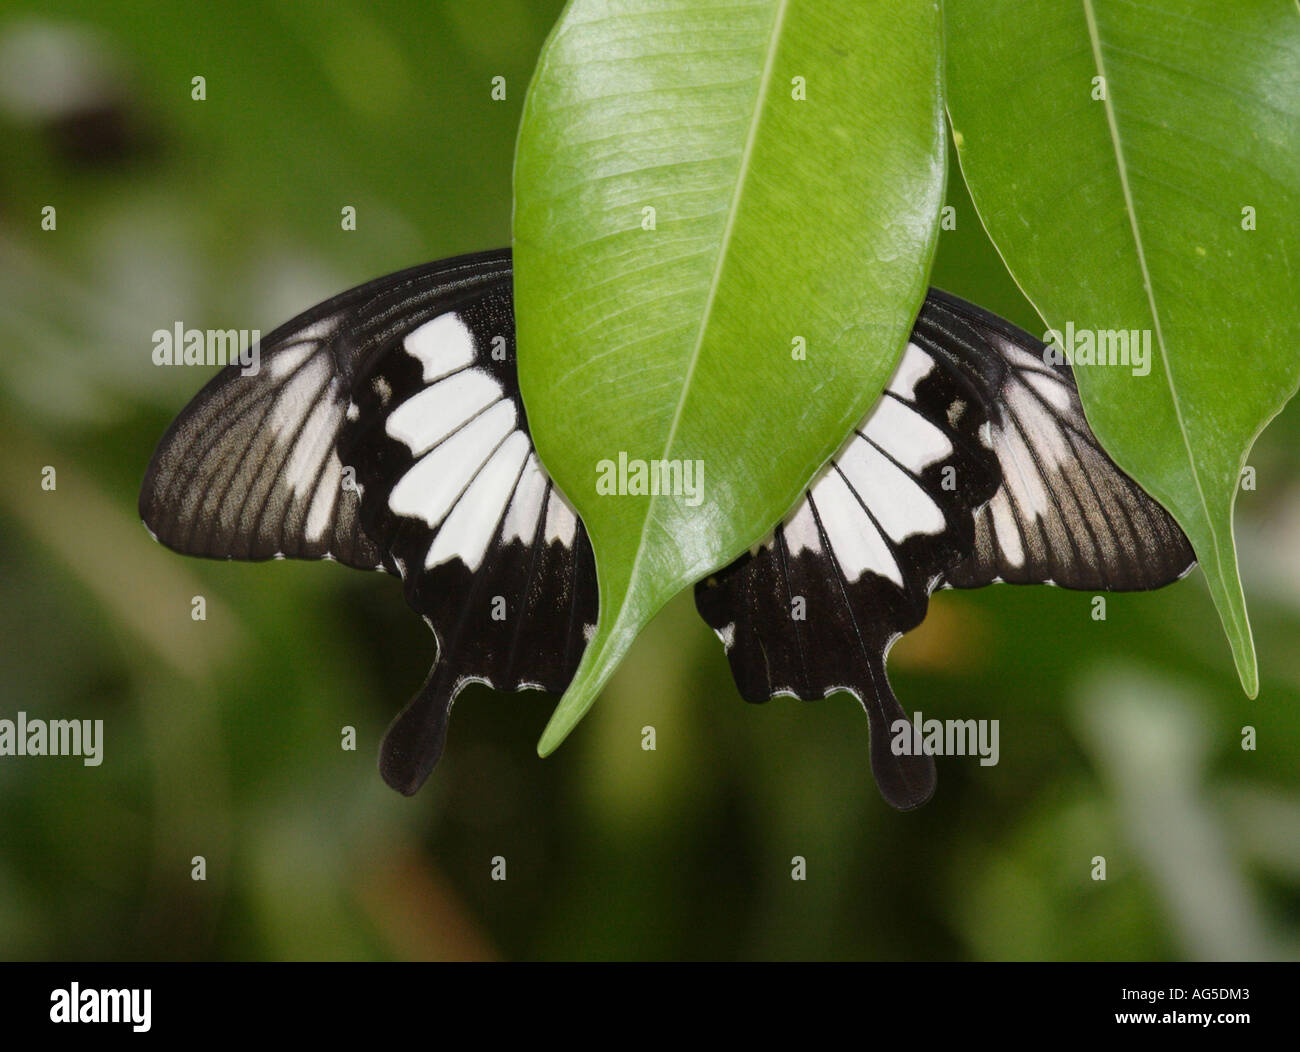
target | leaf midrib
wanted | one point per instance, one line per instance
(1117, 146)
(719, 264)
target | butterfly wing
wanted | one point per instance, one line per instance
(384, 429)
(967, 451)
(249, 469)
(490, 552)
(815, 607)
(1065, 514)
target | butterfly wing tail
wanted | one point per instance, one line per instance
(905, 774)
(414, 741)
(734, 603)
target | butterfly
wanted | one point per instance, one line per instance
(384, 429)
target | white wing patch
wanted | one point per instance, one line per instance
(526, 506)
(869, 496)
(1004, 528)
(1064, 513)
(906, 435)
(429, 416)
(289, 358)
(561, 520)
(308, 413)
(476, 478)
(443, 346)
(1022, 475)
(855, 542)
(294, 401)
(1037, 509)
(800, 529)
(315, 442)
(321, 512)
(903, 508)
(914, 367)
(469, 529)
(1052, 389)
(438, 479)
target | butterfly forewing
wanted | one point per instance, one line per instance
(250, 468)
(1064, 514)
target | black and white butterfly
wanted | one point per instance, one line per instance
(385, 430)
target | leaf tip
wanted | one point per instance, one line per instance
(568, 713)
(1242, 642)
(1248, 668)
(551, 738)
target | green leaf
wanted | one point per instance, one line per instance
(1118, 155)
(792, 153)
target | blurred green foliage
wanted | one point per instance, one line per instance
(1119, 738)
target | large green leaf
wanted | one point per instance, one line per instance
(780, 221)
(1119, 155)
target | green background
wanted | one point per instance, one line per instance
(1118, 738)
